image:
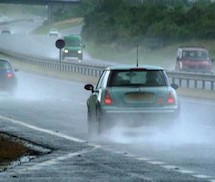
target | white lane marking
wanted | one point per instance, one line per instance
(184, 171)
(201, 176)
(118, 152)
(155, 162)
(170, 167)
(38, 166)
(57, 160)
(42, 130)
(143, 159)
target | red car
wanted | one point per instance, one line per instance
(193, 59)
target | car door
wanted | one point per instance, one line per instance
(96, 96)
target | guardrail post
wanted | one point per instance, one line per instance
(195, 83)
(180, 82)
(203, 84)
(212, 85)
(188, 83)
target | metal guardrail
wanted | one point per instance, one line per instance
(51, 63)
(183, 79)
(193, 80)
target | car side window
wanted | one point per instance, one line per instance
(103, 79)
(4, 65)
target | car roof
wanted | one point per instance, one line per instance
(129, 67)
(72, 36)
(193, 48)
(3, 60)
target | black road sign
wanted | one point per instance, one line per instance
(60, 43)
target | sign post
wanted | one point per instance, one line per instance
(60, 45)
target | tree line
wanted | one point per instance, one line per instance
(126, 22)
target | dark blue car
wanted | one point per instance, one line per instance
(8, 79)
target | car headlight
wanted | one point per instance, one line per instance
(66, 51)
(79, 51)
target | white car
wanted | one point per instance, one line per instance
(53, 32)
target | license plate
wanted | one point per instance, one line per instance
(139, 96)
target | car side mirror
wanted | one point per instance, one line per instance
(174, 85)
(89, 87)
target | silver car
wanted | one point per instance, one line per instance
(142, 95)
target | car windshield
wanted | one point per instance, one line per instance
(136, 78)
(72, 42)
(195, 55)
(4, 65)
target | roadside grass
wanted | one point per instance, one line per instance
(165, 57)
(10, 151)
(58, 25)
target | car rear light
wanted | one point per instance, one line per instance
(107, 98)
(10, 75)
(170, 99)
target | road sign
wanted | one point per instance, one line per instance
(60, 43)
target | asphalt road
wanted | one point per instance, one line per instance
(22, 40)
(52, 114)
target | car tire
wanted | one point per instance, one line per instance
(99, 121)
(95, 125)
(92, 126)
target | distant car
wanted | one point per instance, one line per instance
(6, 30)
(8, 79)
(193, 59)
(141, 94)
(53, 32)
(73, 47)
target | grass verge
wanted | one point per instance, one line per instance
(11, 150)
(165, 57)
(59, 25)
